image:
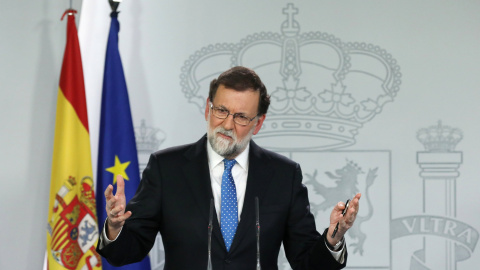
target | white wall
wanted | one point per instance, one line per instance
(435, 44)
(31, 50)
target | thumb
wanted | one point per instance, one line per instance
(339, 207)
(120, 185)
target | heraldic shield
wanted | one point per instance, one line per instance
(73, 228)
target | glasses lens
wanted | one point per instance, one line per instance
(237, 118)
(241, 120)
(220, 113)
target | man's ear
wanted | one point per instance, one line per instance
(259, 124)
(207, 109)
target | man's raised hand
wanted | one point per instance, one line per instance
(344, 222)
(115, 208)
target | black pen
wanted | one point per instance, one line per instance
(343, 214)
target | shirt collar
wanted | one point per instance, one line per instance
(214, 159)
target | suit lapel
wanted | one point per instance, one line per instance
(197, 175)
(259, 178)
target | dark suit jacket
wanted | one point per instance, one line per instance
(173, 198)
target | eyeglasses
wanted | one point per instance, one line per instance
(238, 118)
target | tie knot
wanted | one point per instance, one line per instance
(229, 163)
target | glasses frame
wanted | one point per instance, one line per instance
(235, 115)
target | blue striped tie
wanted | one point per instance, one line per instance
(229, 209)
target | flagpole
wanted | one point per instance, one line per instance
(114, 4)
(117, 155)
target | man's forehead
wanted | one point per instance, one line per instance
(246, 100)
(229, 92)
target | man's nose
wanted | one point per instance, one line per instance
(228, 123)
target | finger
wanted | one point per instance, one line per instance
(356, 202)
(108, 192)
(336, 214)
(119, 218)
(123, 217)
(111, 203)
(117, 210)
(350, 216)
(120, 185)
(127, 214)
(357, 197)
(339, 207)
(352, 212)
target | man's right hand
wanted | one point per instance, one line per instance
(115, 208)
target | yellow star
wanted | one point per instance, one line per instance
(118, 169)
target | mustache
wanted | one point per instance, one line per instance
(225, 132)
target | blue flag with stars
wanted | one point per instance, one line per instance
(117, 151)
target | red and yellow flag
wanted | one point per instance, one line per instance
(72, 231)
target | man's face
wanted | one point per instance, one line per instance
(226, 137)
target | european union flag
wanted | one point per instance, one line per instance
(117, 151)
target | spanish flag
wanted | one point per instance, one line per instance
(72, 231)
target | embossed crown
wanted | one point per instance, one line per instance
(353, 167)
(146, 138)
(439, 138)
(323, 90)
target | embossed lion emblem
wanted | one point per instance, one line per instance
(346, 180)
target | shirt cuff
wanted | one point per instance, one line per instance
(338, 254)
(104, 241)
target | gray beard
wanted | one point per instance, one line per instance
(224, 147)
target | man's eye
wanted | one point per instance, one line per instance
(241, 116)
(222, 111)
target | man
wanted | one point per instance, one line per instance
(179, 183)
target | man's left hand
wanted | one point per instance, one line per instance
(344, 222)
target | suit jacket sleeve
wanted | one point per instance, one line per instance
(305, 248)
(140, 230)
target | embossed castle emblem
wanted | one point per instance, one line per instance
(438, 227)
(148, 140)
